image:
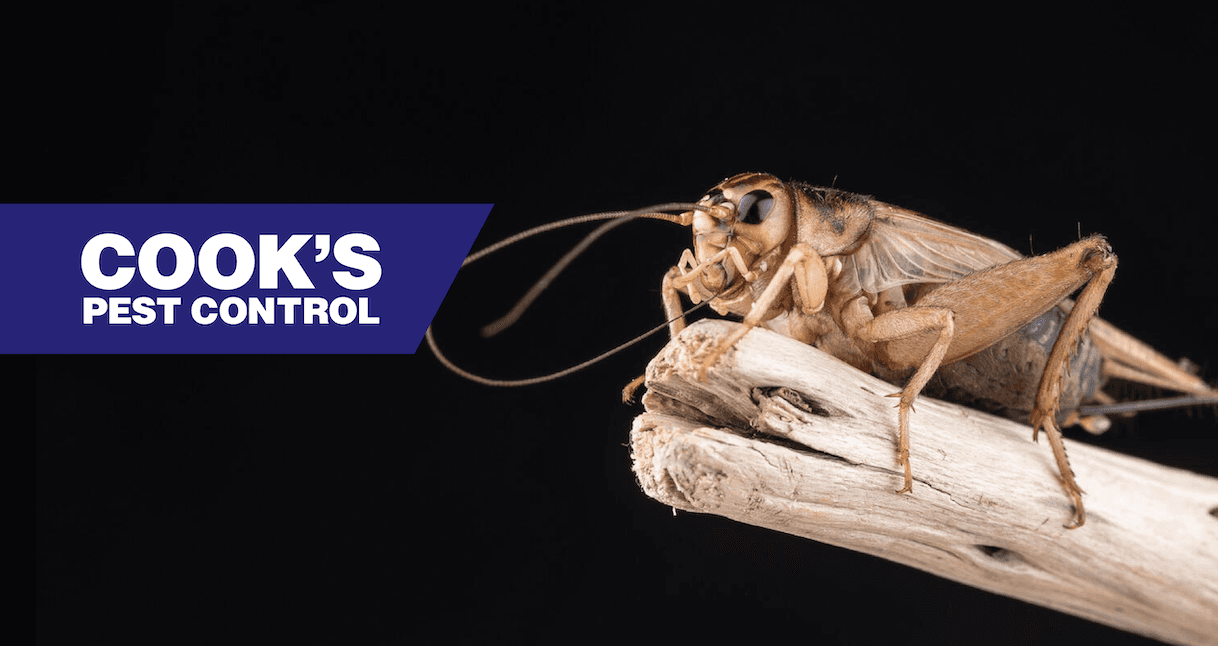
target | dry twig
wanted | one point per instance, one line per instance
(786, 437)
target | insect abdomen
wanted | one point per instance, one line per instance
(1003, 378)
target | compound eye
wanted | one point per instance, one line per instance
(755, 207)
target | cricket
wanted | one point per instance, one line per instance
(903, 297)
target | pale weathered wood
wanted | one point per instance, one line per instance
(988, 506)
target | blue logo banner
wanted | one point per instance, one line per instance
(229, 278)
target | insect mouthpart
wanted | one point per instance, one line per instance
(712, 236)
(715, 277)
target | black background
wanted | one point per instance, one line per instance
(199, 498)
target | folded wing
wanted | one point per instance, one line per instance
(904, 247)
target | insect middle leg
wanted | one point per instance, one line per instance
(893, 327)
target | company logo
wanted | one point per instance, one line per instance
(353, 251)
(235, 278)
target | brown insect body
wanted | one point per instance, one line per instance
(905, 297)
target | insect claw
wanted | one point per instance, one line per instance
(629, 390)
(1079, 517)
(1037, 424)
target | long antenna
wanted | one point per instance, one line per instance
(540, 286)
(617, 218)
(512, 383)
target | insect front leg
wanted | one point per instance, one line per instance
(670, 296)
(677, 280)
(811, 280)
